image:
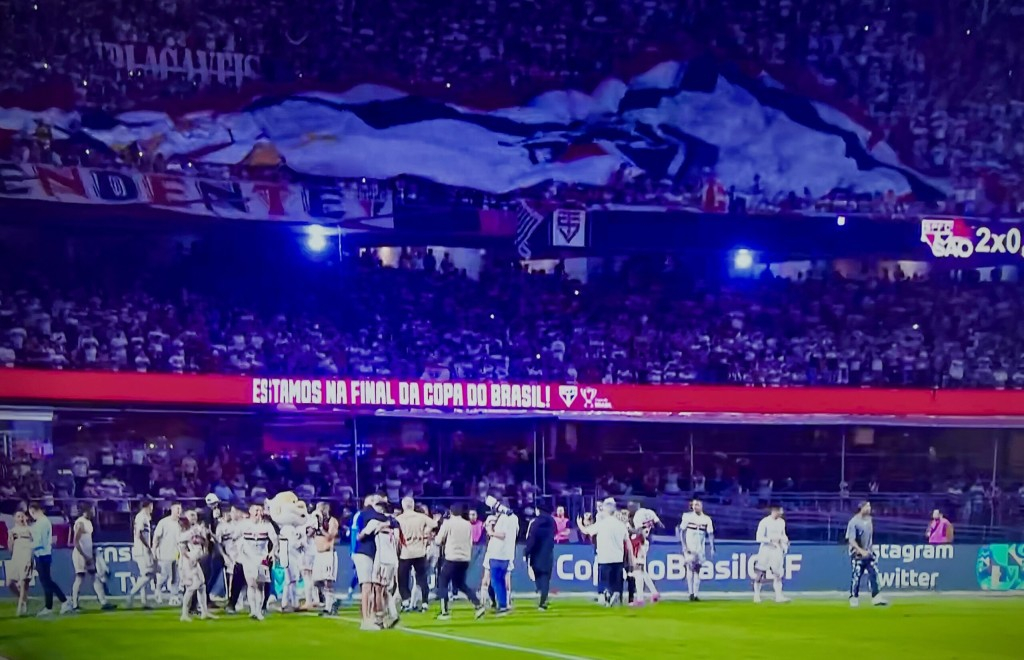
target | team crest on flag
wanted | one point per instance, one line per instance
(569, 228)
(947, 237)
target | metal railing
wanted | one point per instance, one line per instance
(820, 517)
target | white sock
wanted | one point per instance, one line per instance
(76, 589)
(777, 584)
(307, 588)
(100, 589)
(757, 586)
(140, 589)
(391, 605)
(255, 600)
(649, 581)
(696, 582)
(201, 600)
(328, 597)
(638, 578)
(187, 601)
(689, 581)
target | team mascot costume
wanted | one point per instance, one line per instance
(294, 526)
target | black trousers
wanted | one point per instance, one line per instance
(453, 574)
(542, 579)
(405, 569)
(610, 575)
(631, 587)
(50, 588)
(237, 585)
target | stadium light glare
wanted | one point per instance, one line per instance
(316, 238)
(492, 317)
(743, 259)
(841, 221)
(916, 327)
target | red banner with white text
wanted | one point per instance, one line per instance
(54, 387)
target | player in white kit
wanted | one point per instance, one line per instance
(769, 564)
(226, 539)
(193, 546)
(257, 546)
(641, 527)
(385, 571)
(84, 560)
(142, 554)
(696, 532)
(325, 560)
(165, 547)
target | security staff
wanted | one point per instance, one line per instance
(540, 551)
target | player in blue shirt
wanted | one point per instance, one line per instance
(357, 520)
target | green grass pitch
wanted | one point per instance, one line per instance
(931, 628)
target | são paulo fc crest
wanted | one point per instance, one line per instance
(568, 394)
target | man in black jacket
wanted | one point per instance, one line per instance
(540, 551)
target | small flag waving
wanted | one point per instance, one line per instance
(528, 222)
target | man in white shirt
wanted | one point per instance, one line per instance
(83, 558)
(612, 537)
(770, 560)
(696, 532)
(165, 547)
(501, 550)
(142, 553)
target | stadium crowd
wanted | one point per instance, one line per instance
(114, 472)
(934, 79)
(646, 321)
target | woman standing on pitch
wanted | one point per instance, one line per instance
(19, 569)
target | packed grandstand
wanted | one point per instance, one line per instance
(879, 107)
(402, 118)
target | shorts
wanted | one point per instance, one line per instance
(694, 559)
(384, 574)
(325, 567)
(364, 568)
(191, 574)
(293, 569)
(145, 564)
(307, 558)
(82, 564)
(165, 567)
(255, 571)
(102, 567)
(770, 561)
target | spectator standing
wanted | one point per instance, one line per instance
(940, 530)
(561, 525)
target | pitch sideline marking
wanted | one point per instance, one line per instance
(483, 642)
